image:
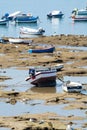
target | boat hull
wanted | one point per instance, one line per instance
(26, 19)
(3, 22)
(43, 79)
(42, 50)
(19, 40)
(78, 19)
(55, 16)
(31, 31)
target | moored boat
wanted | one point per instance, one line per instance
(31, 31)
(72, 86)
(26, 18)
(20, 40)
(46, 49)
(57, 67)
(45, 78)
(3, 22)
(55, 13)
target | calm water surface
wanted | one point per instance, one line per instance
(41, 8)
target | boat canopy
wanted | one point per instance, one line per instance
(54, 12)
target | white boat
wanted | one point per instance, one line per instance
(3, 22)
(20, 40)
(11, 16)
(57, 67)
(55, 13)
(72, 86)
(43, 78)
(31, 31)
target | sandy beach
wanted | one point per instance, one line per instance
(16, 55)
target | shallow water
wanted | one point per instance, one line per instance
(18, 83)
(80, 79)
(2, 128)
(37, 106)
(74, 48)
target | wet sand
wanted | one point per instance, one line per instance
(16, 55)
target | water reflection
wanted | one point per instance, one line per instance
(55, 24)
(44, 89)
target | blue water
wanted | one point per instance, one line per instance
(41, 8)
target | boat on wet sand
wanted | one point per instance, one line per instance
(44, 78)
(46, 49)
(72, 86)
(20, 40)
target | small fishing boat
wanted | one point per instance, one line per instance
(45, 78)
(20, 40)
(45, 49)
(31, 31)
(72, 86)
(3, 22)
(55, 13)
(57, 67)
(26, 18)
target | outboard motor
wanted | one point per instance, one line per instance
(32, 73)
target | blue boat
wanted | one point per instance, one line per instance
(46, 49)
(25, 18)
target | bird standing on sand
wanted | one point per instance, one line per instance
(69, 126)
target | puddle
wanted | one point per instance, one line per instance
(84, 92)
(80, 79)
(35, 107)
(75, 48)
(2, 128)
(2, 54)
(17, 80)
(70, 99)
(85, 67)
(18, 83)
(70, 62)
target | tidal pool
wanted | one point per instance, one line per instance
(18, 83)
